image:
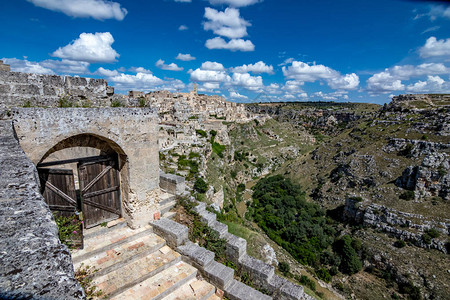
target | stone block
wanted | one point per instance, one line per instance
(259, 272)
(220, 228)
(290, 291)
(200, 207)
(172, 183)
(175, 234)
(235, 247)
(219, 274)
(207, 217)
(196, 254)
(239, 291)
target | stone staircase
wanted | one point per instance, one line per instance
(137, 264)
(166, 203)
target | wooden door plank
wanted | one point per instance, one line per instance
(96, 179)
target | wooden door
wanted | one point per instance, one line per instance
(58, 189)
(100, 191)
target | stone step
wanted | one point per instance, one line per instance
(166, 198)
(112, 239)
(123, 254)
(136, 272)
(160, 285)
(214, 297)
(166, 207)
(102, 230)
(193, 290)
(169, 215)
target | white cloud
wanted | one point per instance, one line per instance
(93, 48)
(210, 86)
(233, 45)
(185, 57)
(433, 84)
(49, 66)
(212, 66)
(434, 47)
(234, 3)
(439, 11)
(346, 82)
(391, 79)
(66, 66)
(97, 9)
(293, 86)
(209, 76)
(187, 1)
(273, 88)
(140, 81)
(183, 28)
(227, 23)
(286, 62)
(170, 67)
(106, 72)
(235, 95)
(140, 70)
(331, 96)
(25, 66)
(247, 81)
(304, 72)
(259, 67)
(384, 82)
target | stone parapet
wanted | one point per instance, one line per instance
(34, 263)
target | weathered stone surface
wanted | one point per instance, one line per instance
(172, 183)
(235, 247)
(239, 291)
(199, 255)
(48, 90)
(259, 272)
(34, 263)
(219, 274)
(175, 234)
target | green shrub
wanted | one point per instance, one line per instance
(240, 187)
(218, 149)
(433, 233)
(426, 238)
(399, 244)
(69, 230)
(64, 102)
(284, 267)
(304, 280)
(201, 133)
(200, 185)
(324, 274)
(141, 102)
(350, 262)
(116, 103)
(407, 195)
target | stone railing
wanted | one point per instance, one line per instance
(34, 263)
(262, 275)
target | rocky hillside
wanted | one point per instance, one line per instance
(389, 172)
(380, 172)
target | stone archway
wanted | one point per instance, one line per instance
(76, 158)
(131, 133)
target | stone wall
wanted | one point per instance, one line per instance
(23, 89)
(34, 263)
(132, 133)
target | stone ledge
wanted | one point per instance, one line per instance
(175, 234)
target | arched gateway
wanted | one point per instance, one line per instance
(118, 176)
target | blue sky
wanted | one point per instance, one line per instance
(245, 50)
